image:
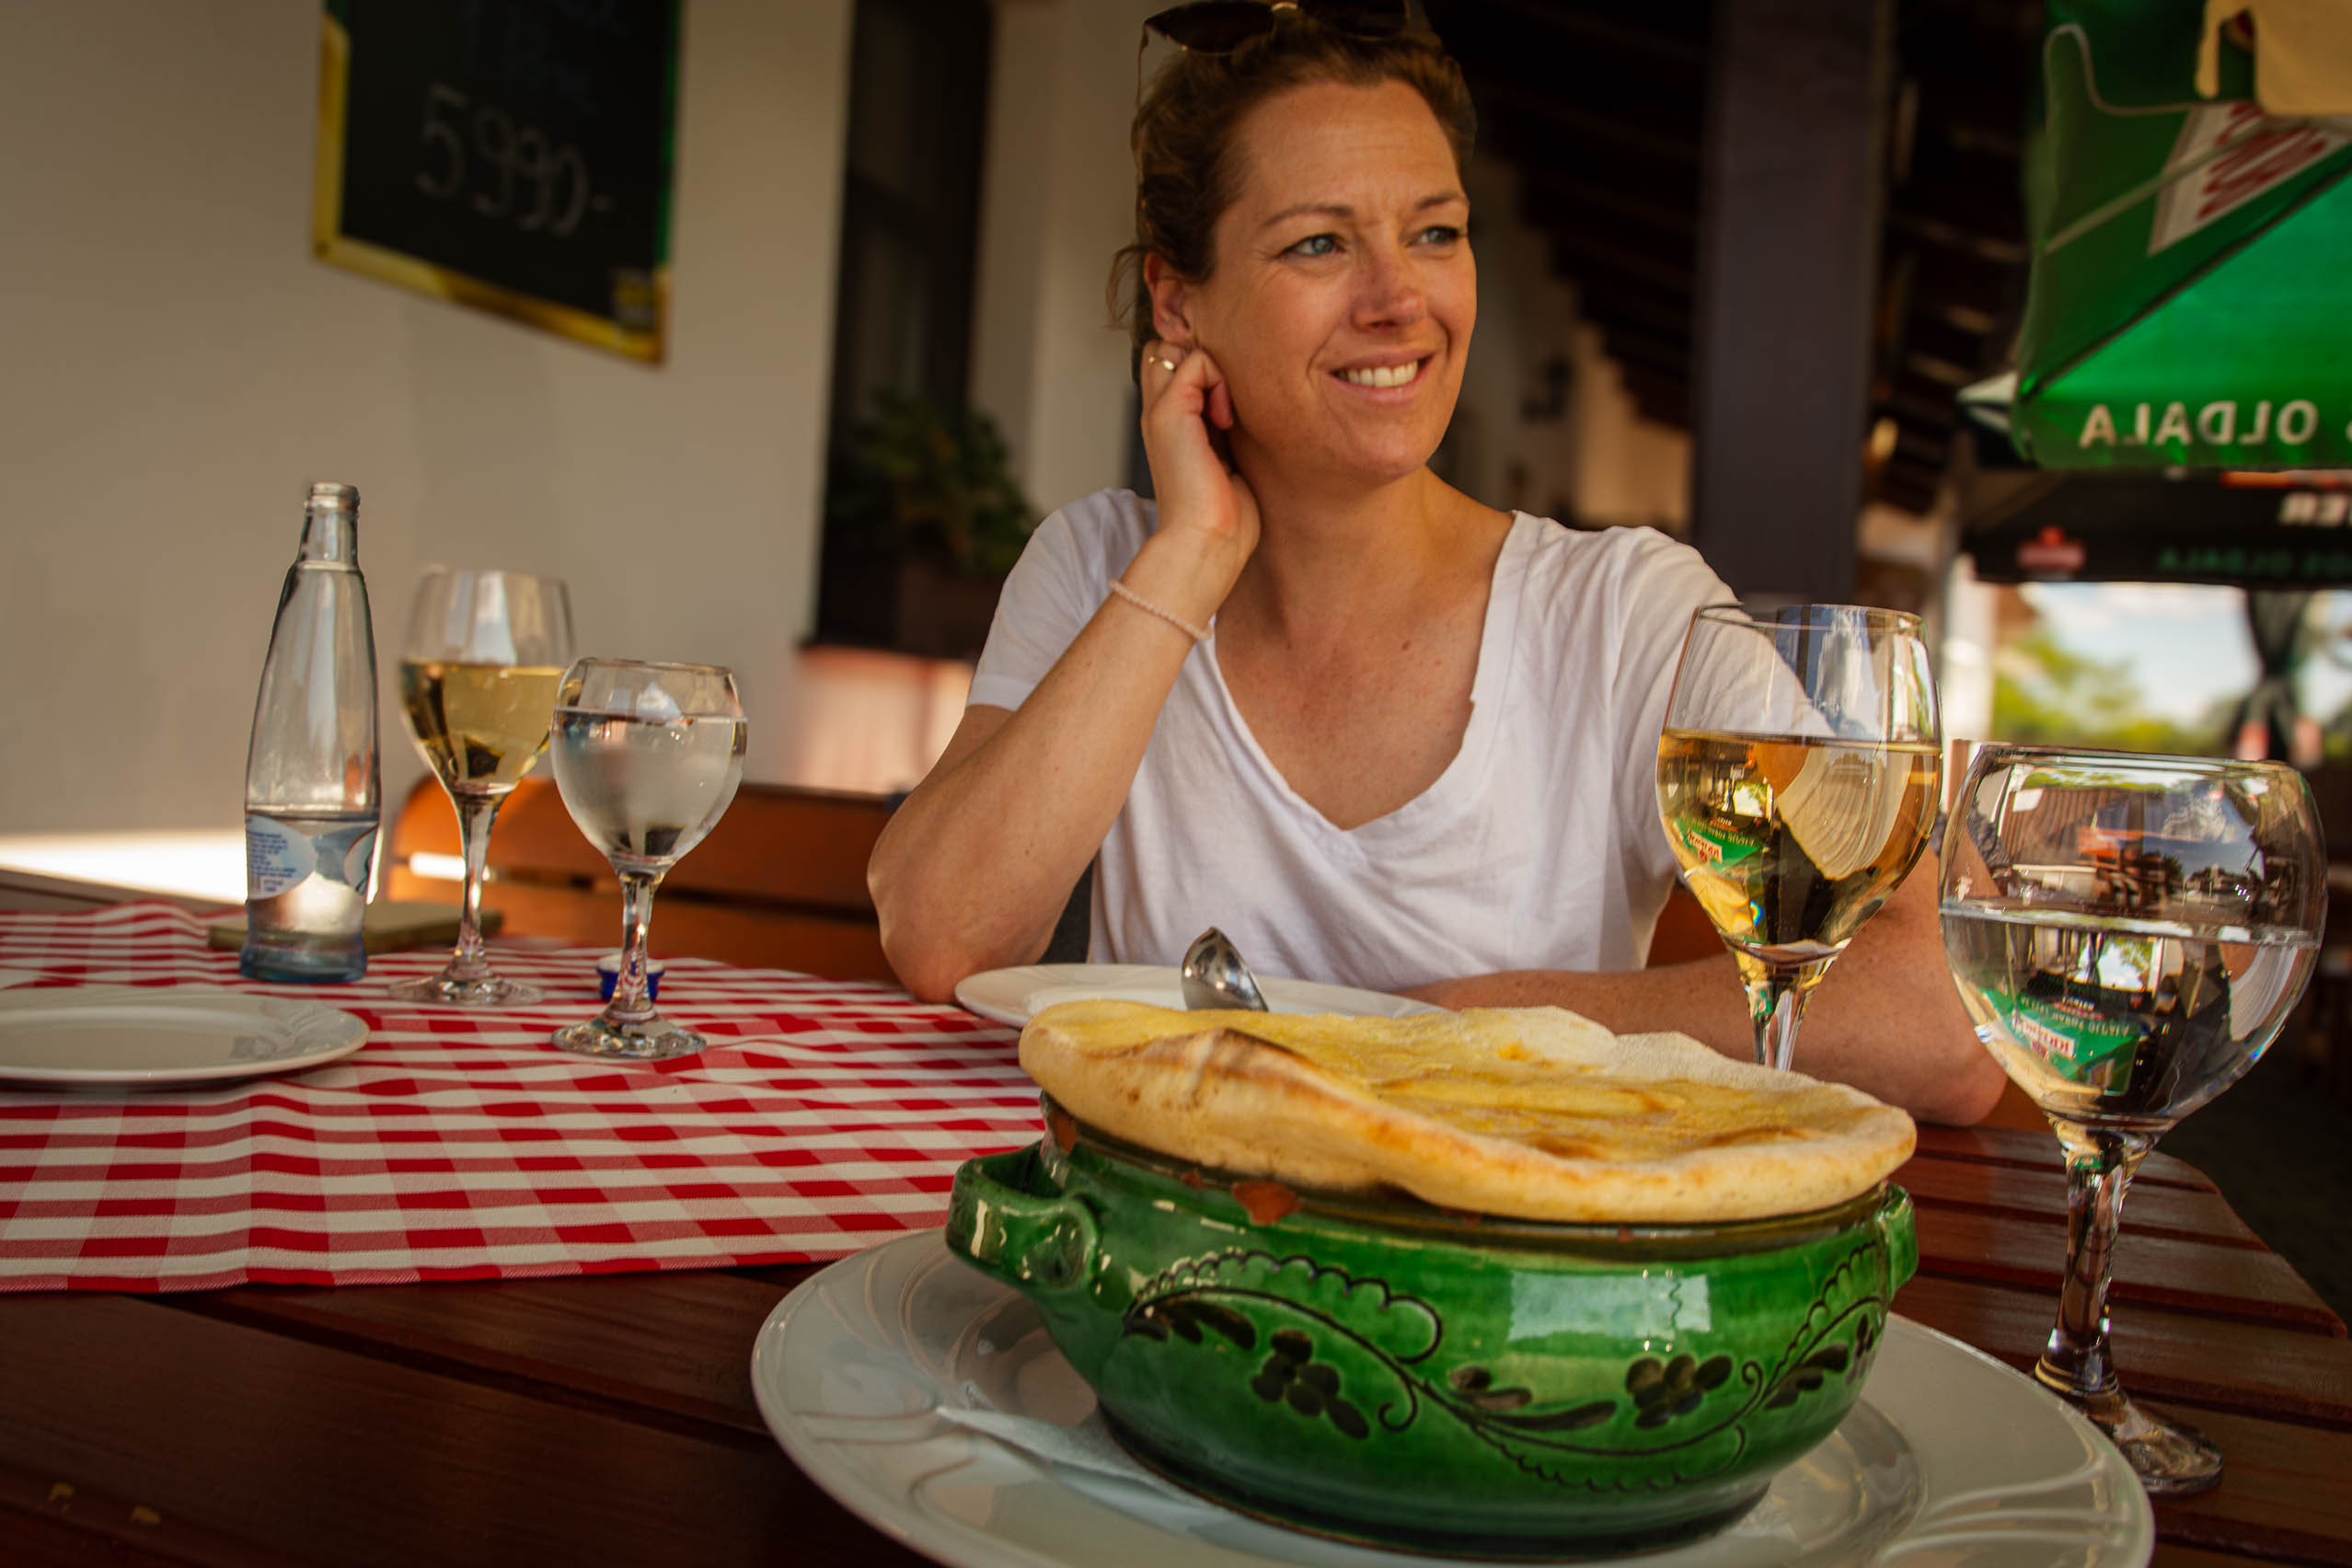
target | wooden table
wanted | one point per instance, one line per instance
(611, 1420)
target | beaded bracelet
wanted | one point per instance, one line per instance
(1198, 634)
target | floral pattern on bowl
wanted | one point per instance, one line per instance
(1389, 1372)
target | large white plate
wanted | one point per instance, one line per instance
(1949, 1457)
(136, 1034)
(1011, 995)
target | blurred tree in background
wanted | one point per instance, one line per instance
(2047, 694)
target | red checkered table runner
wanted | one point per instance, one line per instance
(458, 1145)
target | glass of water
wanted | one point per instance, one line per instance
(2129, 932)
(647, 757)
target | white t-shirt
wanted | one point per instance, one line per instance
(1538, 848)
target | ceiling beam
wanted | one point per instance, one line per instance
(1670, 34)
(1577, 253)
(1553, 190)
(1550, 108)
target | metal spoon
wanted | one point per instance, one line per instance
(1214, 976)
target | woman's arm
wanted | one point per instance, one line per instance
(972, 871)
(1885, 1018)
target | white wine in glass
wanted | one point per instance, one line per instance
(1797, 782)
(647, 757)
(2129, 933)
(478, 685)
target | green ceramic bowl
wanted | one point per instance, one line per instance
(1408, 1376)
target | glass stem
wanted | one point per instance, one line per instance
(1776, 997)
(475, 815)
(630, 1004)
(2099, 1166)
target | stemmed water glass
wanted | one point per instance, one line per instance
(1797, 781)
(647, 757)
(478, 684)
(2129, 932)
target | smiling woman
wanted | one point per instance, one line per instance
(1379, 732)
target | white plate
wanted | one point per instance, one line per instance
(139, 1034)
(1949, 1457)
(1011, 995)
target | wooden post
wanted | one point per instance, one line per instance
(1792, 196)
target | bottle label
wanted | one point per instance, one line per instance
(276, 858)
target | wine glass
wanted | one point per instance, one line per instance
(2128, 932)
(478, 683)
(1797, 781)
(647, 757)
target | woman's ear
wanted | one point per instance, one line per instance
(1171, 301)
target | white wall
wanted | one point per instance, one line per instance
(178, 369)
(1598, 461)
(1058, 201)
(1526, 318)
(1008, 294)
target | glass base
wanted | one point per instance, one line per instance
(2170, 1460)
(482, 991)
(649, 1039)
(305, 959)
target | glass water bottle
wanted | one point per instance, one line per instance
(312, 794)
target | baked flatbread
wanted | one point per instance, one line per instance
(1534, 1112)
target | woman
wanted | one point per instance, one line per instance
(1380, 733)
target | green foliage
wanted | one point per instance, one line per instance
(2335, 734)
(2047, 694)
(934, 478)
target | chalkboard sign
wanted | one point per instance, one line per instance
(509, 154)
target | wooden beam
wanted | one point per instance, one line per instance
(1549, 108)
(1630, 345)
(1578, 253)
(1607, 299)
(1792, 194)
(1549, 193)
(1660, 397)
(1979, 286)
(1667, 37)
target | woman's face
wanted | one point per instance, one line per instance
(1344, 293)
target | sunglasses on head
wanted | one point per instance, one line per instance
(1220, 26)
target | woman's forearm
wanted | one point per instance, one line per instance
(1885, 1018)
(975, 867)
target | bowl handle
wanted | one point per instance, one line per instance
(1033, 1242)
(1900, 1236)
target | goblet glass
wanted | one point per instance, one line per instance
(1797, 779)
(478, 684)
(2128, 932)
(647, 757)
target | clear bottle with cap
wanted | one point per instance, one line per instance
(312, 791)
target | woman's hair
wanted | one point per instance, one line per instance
(1185, 173)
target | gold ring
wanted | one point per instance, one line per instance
(1164, 363)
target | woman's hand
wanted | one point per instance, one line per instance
(1200, 495)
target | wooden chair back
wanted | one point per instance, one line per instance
(780, 883)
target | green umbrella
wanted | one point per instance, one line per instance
(2191, 295)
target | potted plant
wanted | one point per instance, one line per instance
(931, 482)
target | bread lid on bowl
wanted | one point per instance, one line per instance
(1533, 1112)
